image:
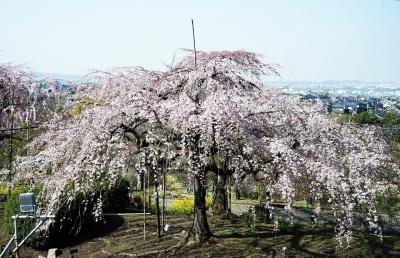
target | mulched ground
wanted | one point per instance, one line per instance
(122, 236)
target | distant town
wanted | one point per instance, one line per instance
(345, 97)
(339, 97)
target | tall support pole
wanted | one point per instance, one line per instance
(27, 128)
(157, 209)
(194, 46)
(195, 67)
(16, 236)
(230, 196)
(10, 157)
(144, 207)
(163, 204)
(27, 136)
(148, 189)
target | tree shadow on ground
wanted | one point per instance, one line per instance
(318, 241)
(291, 239)
(95, 230)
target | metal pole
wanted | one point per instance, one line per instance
(148, 189)
(27, 136)
(16, 234)
(144, 207)
(163, 205)
(194, 46)
(11, 143)
(230, 197)
(157, 210)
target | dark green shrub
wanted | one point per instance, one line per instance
(137, 202)
(366, 117)
(70, 221)
(390, 119)
(262, 214)
(249, 220)
(76, 217)
(389, 204)
(117, 199)
(285, 226)
(296, 227)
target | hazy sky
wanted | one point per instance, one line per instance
(310, 39)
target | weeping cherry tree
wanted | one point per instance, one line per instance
(218, 118)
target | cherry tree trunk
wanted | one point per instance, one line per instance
(201, 230)
(220, 196)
